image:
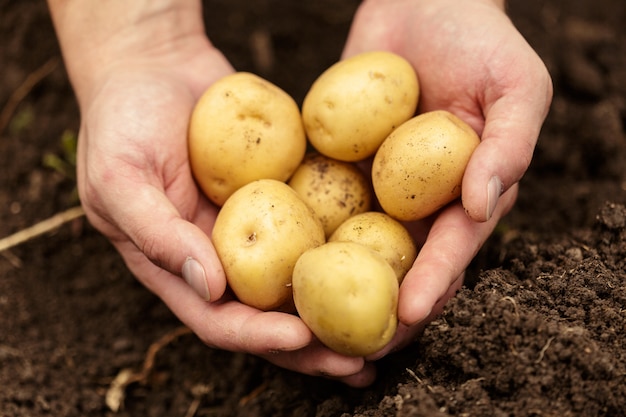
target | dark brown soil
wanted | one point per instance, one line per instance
(537, 331)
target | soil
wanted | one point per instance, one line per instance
(538, 329)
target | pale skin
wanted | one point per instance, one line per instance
(137, 69)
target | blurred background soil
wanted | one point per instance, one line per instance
(537, 331)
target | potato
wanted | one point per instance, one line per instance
(242, 129)
(419, 167)
(334, 189)
(347, 294)
(380, 232)
(357, 102)
(259, 234)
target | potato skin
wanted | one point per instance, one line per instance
(259, 234)
(242, 129)
(335, 190)
(347, 294)
(383, 234)
(357, 102)
(419, 167)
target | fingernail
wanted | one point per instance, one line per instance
(494, 190)
(194, 274)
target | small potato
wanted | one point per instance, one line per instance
(380, 232)
(242, 129)
(347, 294)
(335, 190)
(259, 234)
(419, 167)
(357, 102)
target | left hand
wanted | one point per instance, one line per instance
(471, 61)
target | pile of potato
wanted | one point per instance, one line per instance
(304, 226)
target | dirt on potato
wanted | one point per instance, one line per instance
(538, 329)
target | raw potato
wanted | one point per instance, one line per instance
(419, 168)
(347, 294)
(259, 234)
(242, 129)
(334, 189)
(357, 102)
(380, 232)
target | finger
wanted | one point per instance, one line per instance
(318, 360)
(364, 378)
(452, 243)
(228, 324)
(168, 241)
(280, 338)
(511, 130)
(311, 358)
(405, 335)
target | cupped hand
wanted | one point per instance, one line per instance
(470, 60)
(137, 189)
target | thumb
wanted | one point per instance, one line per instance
(156, 237)
(511, 130)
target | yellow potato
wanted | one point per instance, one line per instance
(347, 294)
(242, 129)
(419, 167)
(357, 102)
(259, 234)
(334, 189)
(380, 232)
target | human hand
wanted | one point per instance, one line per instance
(472, 61)
(136, 95)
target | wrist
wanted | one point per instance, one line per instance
(97, 41)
